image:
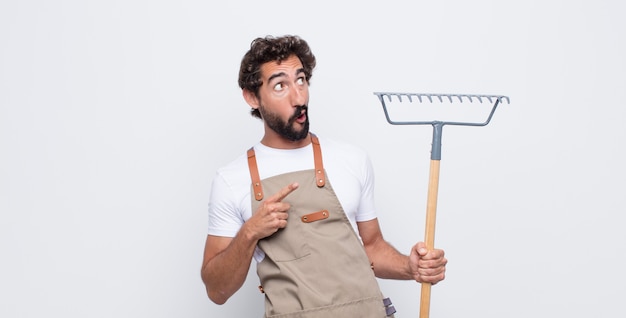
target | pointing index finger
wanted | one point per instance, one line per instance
(283, 193)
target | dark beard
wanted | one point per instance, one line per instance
(286, 129)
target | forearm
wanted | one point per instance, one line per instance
(226, 272)
(388, 262)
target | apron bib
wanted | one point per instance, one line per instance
(315, 267)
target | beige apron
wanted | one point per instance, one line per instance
(316, 267)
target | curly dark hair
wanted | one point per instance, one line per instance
(267, 49)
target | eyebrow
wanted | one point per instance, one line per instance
(273, 76)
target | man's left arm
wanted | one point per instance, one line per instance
(421, 265)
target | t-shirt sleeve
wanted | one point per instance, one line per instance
(225, 219)
(366, 210)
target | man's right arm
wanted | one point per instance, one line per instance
(226, 264)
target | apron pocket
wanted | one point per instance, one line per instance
(283, 249)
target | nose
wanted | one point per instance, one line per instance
(299, 95)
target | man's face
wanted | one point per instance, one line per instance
(283, 98)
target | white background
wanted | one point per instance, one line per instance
(114, 116)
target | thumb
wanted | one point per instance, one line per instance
(420, 249)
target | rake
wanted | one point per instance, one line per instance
(435, 156)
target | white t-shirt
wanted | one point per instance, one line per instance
(348, 169)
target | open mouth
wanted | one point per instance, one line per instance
(302, 118)
(300, 115)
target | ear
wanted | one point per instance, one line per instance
(251, 99)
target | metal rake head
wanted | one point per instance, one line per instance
(429, 97)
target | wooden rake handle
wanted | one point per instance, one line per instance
(429, 236)
(431, 209)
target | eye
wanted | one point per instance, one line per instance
(278, 87)
(300, 81)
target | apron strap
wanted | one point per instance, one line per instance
(254, 175)
(320, 175)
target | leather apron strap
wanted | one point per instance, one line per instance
(254, 175)
(320, 175)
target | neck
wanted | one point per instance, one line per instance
(279, 142)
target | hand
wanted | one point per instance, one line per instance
(272, 214)
(427, 266)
